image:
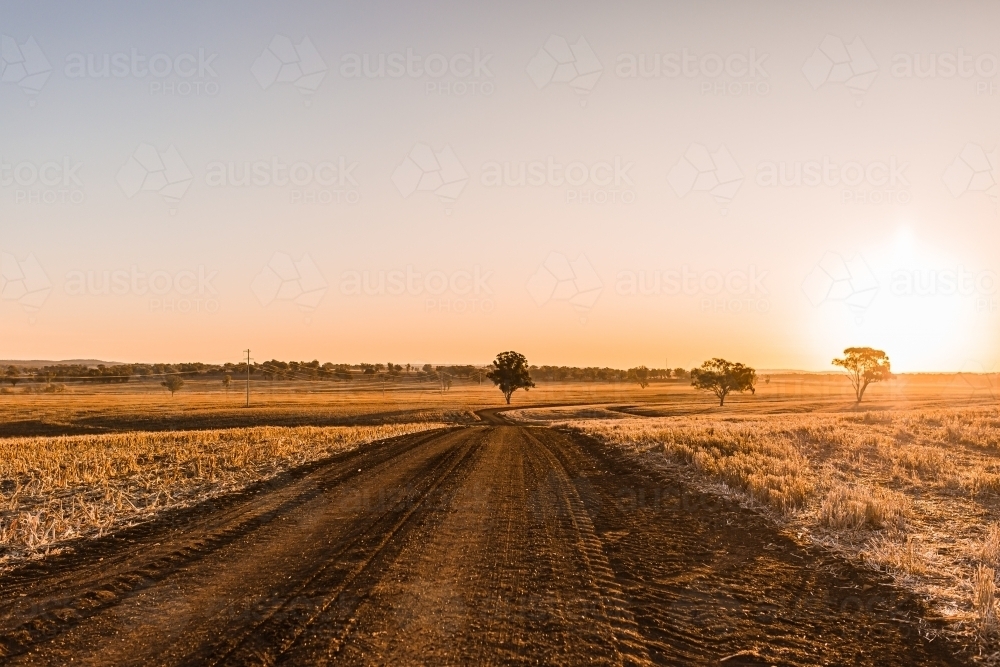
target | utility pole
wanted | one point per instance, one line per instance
(248, 376)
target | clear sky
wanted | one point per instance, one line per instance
(587, 183)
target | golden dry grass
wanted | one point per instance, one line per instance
(56, 489)
(911, 493)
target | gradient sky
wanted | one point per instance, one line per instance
(770, 269)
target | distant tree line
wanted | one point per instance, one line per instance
(595, 374)
(276, 370)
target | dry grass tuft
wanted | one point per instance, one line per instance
(984, 591)
(854, 508)
(905, 557)
(989, 550)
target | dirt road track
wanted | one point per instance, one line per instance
(483, 545)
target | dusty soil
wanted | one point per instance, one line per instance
(491, 544)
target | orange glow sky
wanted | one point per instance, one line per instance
(678, 202)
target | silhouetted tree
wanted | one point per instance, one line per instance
(12, 375)
(864, 365)
(510, 373)
(722, 377)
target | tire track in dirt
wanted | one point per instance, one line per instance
(506, 571)
(344, 568)
(622, 625)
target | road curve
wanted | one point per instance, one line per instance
(493, 544)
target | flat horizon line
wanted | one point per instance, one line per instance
(760, 371)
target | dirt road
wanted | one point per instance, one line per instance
(484, 545)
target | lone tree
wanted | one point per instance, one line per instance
(864, 365)
(510, 373)
(13, 376)
(721, 377)
(172, 383)
(227, 382)
(640, 375)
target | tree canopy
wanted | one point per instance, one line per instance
(864, 365)
(510, 372)
(172, 383)
(722, 377)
